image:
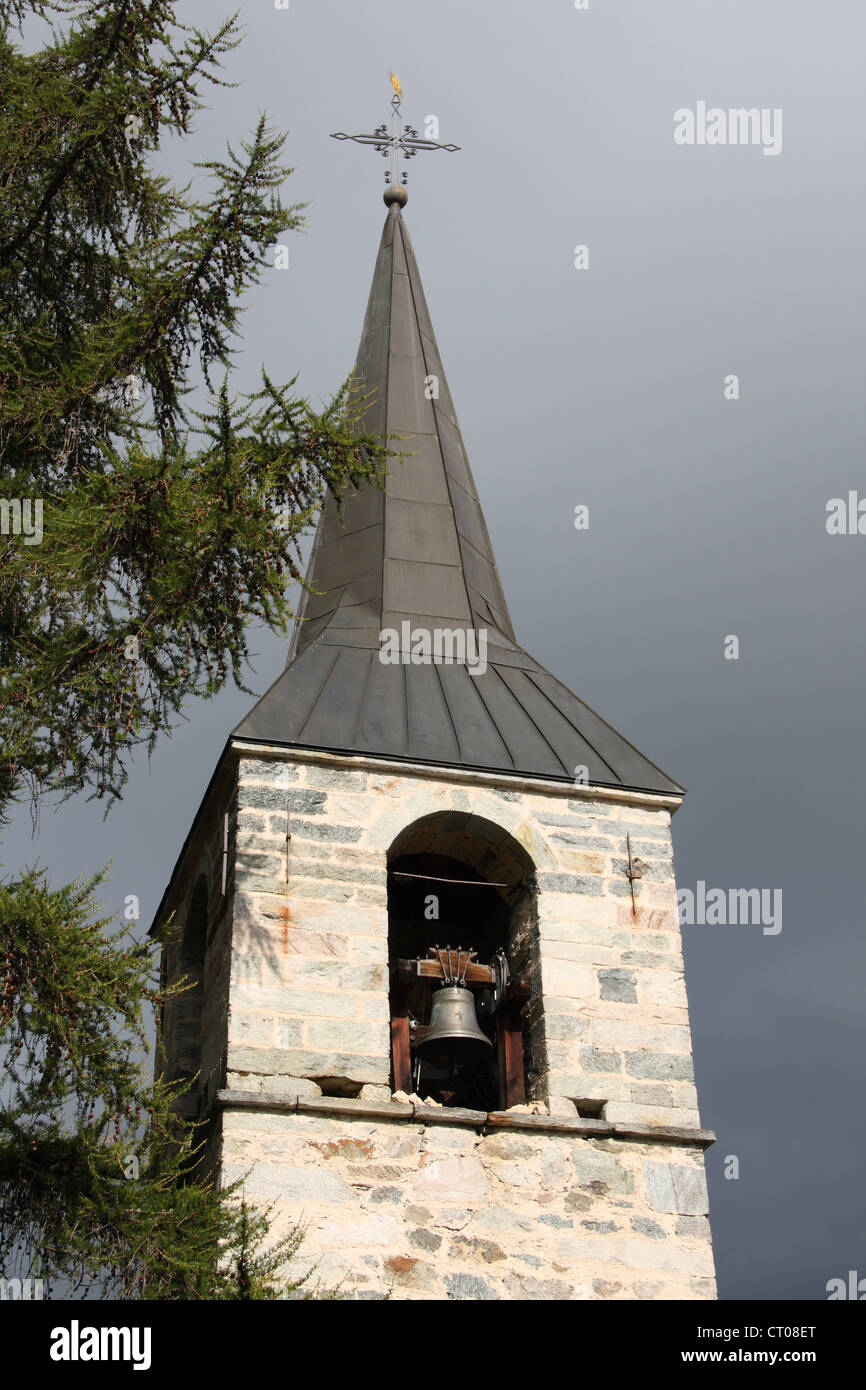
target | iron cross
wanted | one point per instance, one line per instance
(402, 140)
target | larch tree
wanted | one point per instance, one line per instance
(139, 539)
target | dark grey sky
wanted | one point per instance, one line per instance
(707, 517)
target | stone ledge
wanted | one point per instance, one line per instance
(448, 1115)
(395, 767)
(341, 1105)
(471, 1119)
(551, 1124)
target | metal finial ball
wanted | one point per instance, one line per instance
(395, 193)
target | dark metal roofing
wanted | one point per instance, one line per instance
(419, 552)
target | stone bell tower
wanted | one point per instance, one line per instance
(413, 780)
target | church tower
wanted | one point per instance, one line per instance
(428, 904)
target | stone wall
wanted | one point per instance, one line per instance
(404, 1199)
(442, 1211)
(309, 991)
(195, 1023)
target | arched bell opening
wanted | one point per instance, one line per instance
(461, 1019)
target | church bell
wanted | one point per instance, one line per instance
(454, 1034)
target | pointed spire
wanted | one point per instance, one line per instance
(413, 558)
(420, 550)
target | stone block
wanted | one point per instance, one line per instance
(275, 771)
(271, 1181)
(593, 953)
(555, 1166)
(576, 820)
(425, 1240)
(606, 1086)
(658, 871)
(350, 1036)
(583, 885)
(567, 979)
(645, 1227)
(673, 1187)
(242, 1081)
(659, 1066)
(360, 1230)
(618, 985)
(693, 1226)
(626, 1112)
(653, 960)
(325, 830)
(254, 1029)
(664, 987)
(259, 861)
(372, 950)
(600, 1171)
(389, 1195)
(296, 941)
(356, 920)
(258, 796)
(582, 928)
(340, 779)
(318, 1004)
(255, 970)
(650, 1094)
(292, 1086)
(380, 1095)
(444, 1139)
(330, 870)
(597, 1059)
(318, 889)
(338, 975)
(562, 1055)
(371, 893)
(469, 1286)
(538, 1290)
(264, 1061)
(252, 881)
(582, 839)
(459, 1178)
(580, 861)
(289, 1033)
(561, 1105)
(374, 1007)
(622, 1037)
(559, 1223)
(501, 1220)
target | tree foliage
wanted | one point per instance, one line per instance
(164, 532)
(100, 1187)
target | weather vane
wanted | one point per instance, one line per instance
(401, 140)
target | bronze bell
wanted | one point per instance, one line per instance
(454, 1034)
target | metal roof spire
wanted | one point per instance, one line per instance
(414, 562)
(403, 140)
